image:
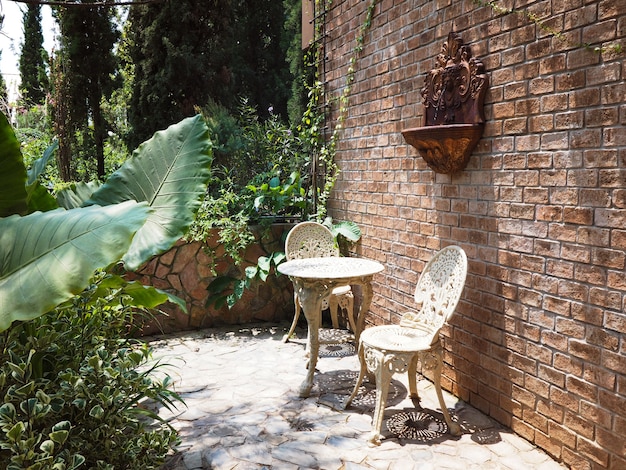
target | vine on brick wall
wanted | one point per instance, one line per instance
(534, 18)
(314, 115)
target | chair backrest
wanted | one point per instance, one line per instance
(310, 240)
(438, 290)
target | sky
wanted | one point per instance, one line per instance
(12, 38)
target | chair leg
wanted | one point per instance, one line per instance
(454, 428)
(333, 306)
(359, 380)
(413, 376)
(350, 310)
(296, 316)
(383, 378)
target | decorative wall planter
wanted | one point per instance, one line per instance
(453, 97)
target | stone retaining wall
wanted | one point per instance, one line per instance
(186, 271)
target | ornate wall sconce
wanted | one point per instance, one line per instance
(453, 97)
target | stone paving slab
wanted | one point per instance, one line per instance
(240, 386)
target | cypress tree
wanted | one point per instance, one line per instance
(191, 52)
(32, 64)
(89, 68)
(181, 56)
(4, 94)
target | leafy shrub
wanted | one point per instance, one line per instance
(248, 148)
(259, 175)
(72, 386)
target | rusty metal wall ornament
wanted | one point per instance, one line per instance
(454, 91)
(453, 95)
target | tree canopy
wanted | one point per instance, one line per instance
(88, 72)
(33, 74)
(188, 52)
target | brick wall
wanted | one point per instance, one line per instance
(538, 341)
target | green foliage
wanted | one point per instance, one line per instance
(313, 120)
(4, 95)
(275, 198)
(188, 53)
(256, 177)
(48, 257)
(74, 388)
(87, 76)
(225, 211)
(247, 147)
(169, 172)
(33, 74)
(228, 290)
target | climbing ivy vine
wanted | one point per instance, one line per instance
(313, 119)
(543, 26)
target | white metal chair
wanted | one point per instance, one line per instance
(313, 240)
(385, 350)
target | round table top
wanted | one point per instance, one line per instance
(333, 267)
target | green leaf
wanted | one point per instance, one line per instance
(348, 229)
(16, 431)
(239, 287)
(47, 447)
(264, 263)
(46, 258)
(170, 172)
(150, 297)
(39, 198)
(40, 164)
(80, 403)
(220, 284)
(77, 194)
(7, 412)
(96, 412)
(251, 271)
(13, 197)
(278, 257)
(77, 461)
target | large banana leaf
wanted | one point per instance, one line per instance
(76, 194)
(46, 258)
(170, 172)
(13, 196)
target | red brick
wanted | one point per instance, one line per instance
(580, 426)
(575, 461)
(599, 376)
(593, 413)
(562, 434)
(564, 399)
(592, 450)
(604, 116)
(568, 364)
(581, 388)
(551, 375)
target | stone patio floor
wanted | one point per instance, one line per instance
(242, 411)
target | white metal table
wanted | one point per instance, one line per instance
(313, 279)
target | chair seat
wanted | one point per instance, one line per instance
(341, 290)
(397, 338)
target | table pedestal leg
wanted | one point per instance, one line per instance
(311, 296)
